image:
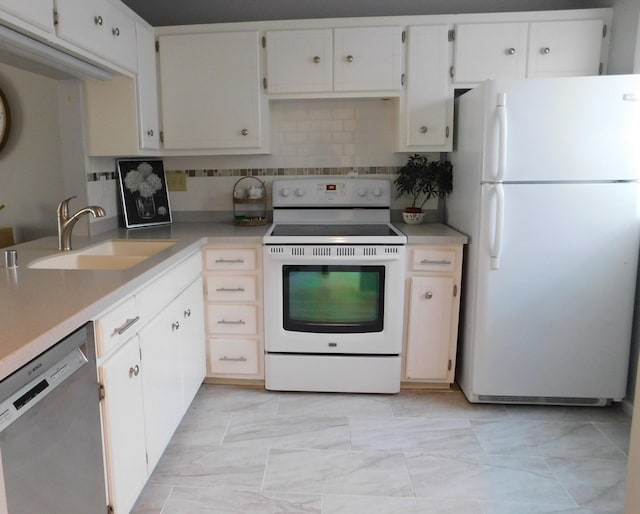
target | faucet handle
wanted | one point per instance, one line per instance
(63, 207)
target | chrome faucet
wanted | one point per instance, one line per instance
(66, 222)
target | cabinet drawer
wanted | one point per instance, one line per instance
(116, 326)
(232, 319)
(231, 259)
(427, 259)
(231, 288)
(233, 356)
(165, 288)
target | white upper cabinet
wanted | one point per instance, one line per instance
(565, 48)
(367, 59)
(147, 89)
(426, 115)
(508, 50)
(100, 27)
(38, 13)
(211, 91)
(490, 50)
(299, 60)
(359, 59)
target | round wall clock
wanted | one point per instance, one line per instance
(5, 120)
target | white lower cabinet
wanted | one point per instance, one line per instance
(431, 313)
(161, 381)
(233, 291)
(123, 421)
(173, 353)
(150, 379)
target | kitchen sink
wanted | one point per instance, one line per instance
(108, 255)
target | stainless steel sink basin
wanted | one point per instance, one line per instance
(109, 255)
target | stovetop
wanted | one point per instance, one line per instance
(329, 230)
(332, 211)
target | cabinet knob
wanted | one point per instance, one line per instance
(134, 371)
(97, 20)
(316, 59)
(349, 58)
(175, 325)
(187, 313)
(424, 129)
(150, 132)
(545, 50)
(428, 295)
(115, 31)
(511, 51)
(244, 132)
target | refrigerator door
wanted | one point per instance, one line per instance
(554, 320)
(562, 129)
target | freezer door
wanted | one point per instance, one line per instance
(563, 129)
(554, 320)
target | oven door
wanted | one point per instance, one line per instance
(334, 299)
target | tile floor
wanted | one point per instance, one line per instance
(244, 450)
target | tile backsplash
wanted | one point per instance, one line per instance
(307, 137)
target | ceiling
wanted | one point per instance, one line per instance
(187, 12)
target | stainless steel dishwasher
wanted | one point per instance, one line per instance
(50, 436)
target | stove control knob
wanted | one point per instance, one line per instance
(377, 192)
(299, 192)
(362, 192)
(285, 192)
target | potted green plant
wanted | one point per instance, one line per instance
(421, 180)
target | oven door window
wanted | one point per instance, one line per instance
(334, 299)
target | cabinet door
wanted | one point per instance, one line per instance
(194, 358)
(123, 420)
(429, 101)
(121, 39)
(147, 89)
(36, 12)
(83, 23)
(367, 59)
(161, 380)
(490, 51)
(299, 61)
(429, 327)
(210, 88)
(564, 48)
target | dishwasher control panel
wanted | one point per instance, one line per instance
(12, 407)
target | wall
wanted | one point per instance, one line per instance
(31, 182)
(185, 12)
(624, 37)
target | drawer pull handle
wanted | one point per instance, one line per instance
(233, 359)
(127, 325)
(443, 262)
(229, 261)
(134, 371)
(230, 290)
(226, 322)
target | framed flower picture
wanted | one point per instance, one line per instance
(143, 192)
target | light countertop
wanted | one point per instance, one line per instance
(38, 307)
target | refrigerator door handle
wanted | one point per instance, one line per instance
(502, 136)
(498, 191)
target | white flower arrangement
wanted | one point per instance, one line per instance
(143, 180)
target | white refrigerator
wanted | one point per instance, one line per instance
(546, 187)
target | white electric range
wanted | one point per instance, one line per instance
(333, 287)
